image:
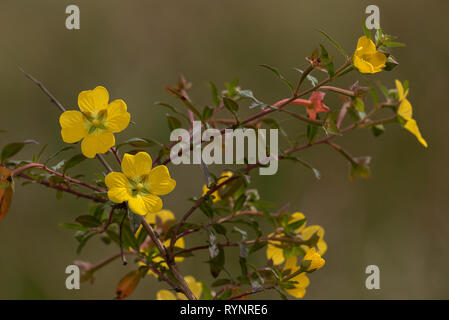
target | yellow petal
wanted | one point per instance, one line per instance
(322, 246)
(309, 231)
(195, 286)
(405, 109)
(91, 100)
(72, 124)
(118, 185)
(97, 143)
(276, 254)
(296, 217)
(290, 264)
(378, 61)
(362, 65)
(365, 46)
(137, 165)
(412, 126)
(165, 295)
(153, 203)
(401, 94)
(300, 287)
(316, 262)
(215, 193)
(163, 215)
(137, 205)
(160, 182)
(117, 118)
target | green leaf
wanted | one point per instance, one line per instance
(225, 295)
(393, 44)
(326, 61)
(231, 105)
(278, 74)
(358, 104)
(173, 123)
(360, 168)
(219, 229)
(257, 246)
(140, 143)
(215, 96)
(73, 161)
(173, 109)
(312, 79)
(207, 112)
(366, 31)
(134, 221)
(88, 221)
(315, 171)
(54, 155)
(335, 43)
(239, 203)
(220, 282)
(73, 226)
(12, 149)
(217, 263)
(312, 130)
(377, 130)
(207, 294)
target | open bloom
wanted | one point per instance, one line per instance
(405, 110)
(96, 122)
(224, 175)
(366, 58)
(276, 253)
(302, 281)
(195, 286)
(313, 106)
(139, 184)
(316, 262)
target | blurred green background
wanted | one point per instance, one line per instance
(397, 220)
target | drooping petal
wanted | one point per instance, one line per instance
(137, 165)
(316, 262)
(160, 182)
(405, 110)
(91, 100)
(72, 124)
(165, 295)
(97, 143)
(118, 118)
(275, 254)
(152, 203)
(118, 187)
(412, 126)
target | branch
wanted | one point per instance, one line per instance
(64, 189)
(170, 262)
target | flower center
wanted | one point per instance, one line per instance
(137, 188)
(96, 122)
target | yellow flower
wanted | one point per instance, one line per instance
(139, 184)
(366, 58)
(405, 111)
(276, 254)
(302, 280)
(316, 262)
(224, 175)
(96, 122)
(195, 286)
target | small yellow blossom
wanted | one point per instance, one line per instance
(224, 175)
(96, 122)
(366, 58)
(405, 111)
(316, 262)
(276, 254)
(139, 184)
(195, 286)
(302, 280)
